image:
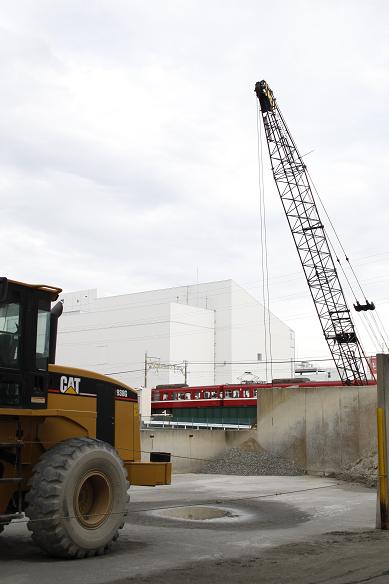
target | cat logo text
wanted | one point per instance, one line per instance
(70, 385)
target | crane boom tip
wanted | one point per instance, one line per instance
(265, 96)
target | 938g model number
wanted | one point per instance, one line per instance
(121, 392)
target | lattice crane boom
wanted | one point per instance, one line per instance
(294, 187)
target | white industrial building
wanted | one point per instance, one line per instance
(217, 328)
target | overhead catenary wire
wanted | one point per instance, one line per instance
(242, 362)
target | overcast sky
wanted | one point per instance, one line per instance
(128, 145)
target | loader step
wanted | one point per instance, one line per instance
(6, 518)
(11, 480)
(10, 444)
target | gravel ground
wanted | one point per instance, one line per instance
(364, 471)
(238, 461)
(335, 558)
(249, 459)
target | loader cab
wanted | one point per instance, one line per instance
(26, 345)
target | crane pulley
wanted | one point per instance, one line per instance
(294, 187)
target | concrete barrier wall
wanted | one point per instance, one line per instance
(190, 448)
(323, 429)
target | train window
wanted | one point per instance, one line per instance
(174, 395)
(181, 396)
(213, 394)
(187, 395)
(197, 395)
(246, 393)
(221, 394)
(165, 396)
(235, 393)
(255, 392)
(207, 395)
(228, 393)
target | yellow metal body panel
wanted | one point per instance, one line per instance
(149, 474)
(69, 416)
(76, 371)
(66, 402)
(127, 431)
(53, 290)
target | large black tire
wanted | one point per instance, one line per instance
(78, 498)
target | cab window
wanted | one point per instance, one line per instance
(9, 334)
(42, 339)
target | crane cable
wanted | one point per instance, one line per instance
(367, 325)
(264, 250)
(336, 234)
(380, 329)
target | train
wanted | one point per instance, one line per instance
(225, 406)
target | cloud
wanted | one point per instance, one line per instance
(128, 141)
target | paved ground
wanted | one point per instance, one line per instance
(277, 529)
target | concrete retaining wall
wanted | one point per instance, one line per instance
(189, 448)
(323, 429)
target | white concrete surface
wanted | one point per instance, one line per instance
(190, 449)
(265, 512)
(209, 325)
(323, 429)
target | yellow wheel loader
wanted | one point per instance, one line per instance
(69, 438)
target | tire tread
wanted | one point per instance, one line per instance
(43, 498)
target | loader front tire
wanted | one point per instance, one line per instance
(78, 498)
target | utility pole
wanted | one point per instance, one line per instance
(145, 384)
(185, 372)
(382, 518)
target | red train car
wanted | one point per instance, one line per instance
(226, 406)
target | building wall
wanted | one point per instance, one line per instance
(192, 336)
(210, 325)
(323, 429)
(248, 339)
(114, 341)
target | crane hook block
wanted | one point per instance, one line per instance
(363, 307)
(265, 96)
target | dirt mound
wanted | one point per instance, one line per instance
(364, 470)
(250, 460)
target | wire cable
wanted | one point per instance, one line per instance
(216, 501)
(266, 248)
(260, 178)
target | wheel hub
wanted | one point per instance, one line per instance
(93, 499)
